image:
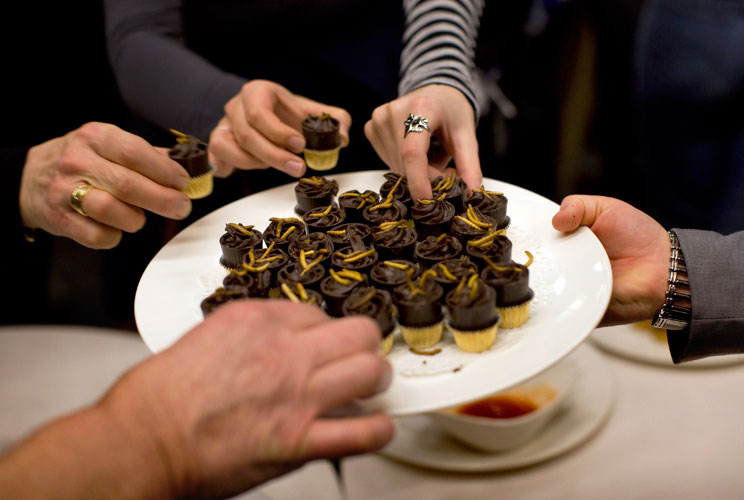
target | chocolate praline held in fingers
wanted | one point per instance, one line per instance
(432, 217)
(219, 297)
(353, 202)
(283, 231)
(395, 240)
(399, 186)
(315, 245)
(385, 211)
(321, 132)
(491, 203)
(448, 273)
(254, 282)
(235, 243)
(322, 219)
(499, 250)
(357, 256)
(294, 273)
(337, 286)
(453, 188)
(341, 235)
(191, 153)
(314, 192)
(434, 250)
(389, 274)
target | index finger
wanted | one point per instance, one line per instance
(413, 151)
(342, 337)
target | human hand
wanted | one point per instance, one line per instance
(127, 174)
(241, 397)
(638, 248)
(262, 128)
(452, 122)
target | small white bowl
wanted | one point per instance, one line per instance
(547, 391)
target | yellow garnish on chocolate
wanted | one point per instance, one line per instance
(348, 273)
(441, 237)
(317, 181)
(258, 269)
(475, 219)
(311, 265)
(366, 197)
(181, 138)
(367, 297)
(530, 258)
(473, 284)
(246, 230)
(460, 286)
(429, 273)
(288, 292)
(487, 194)
(424, 201)
(340, 232)
(390, 225)
(468, 222)
(301, 291)
(396, 265)
(303, 260)
(323, 213)
(353, 258)
(267, 252)
(339, 279)
(388, 201)
(409, 280)
(287, 232)
(445, 184)
(446, 272)
(484, 241)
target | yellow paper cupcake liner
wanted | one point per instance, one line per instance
(514, 316)
(476, 340)
(322, 159)
(386, 344)
(200, 186)
(422, 337)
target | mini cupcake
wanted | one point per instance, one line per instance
(219, 297)
(385, 211)
(433, 250)
(314, 192)
(314, 246)
(490, 203)
(513, 294)
(323, 219)
(235, 243)
(271, 259)
(397, 185)
(341, 235)
(395, 240)
(450, 272)
(389, 274)
(300, 294)
(378, 305)
(497, 248)
(307, 273)
(420, 311)
(338, 286)
(322, 142)
(353, 202)
(356, 257)
(432, 217)
(283, 231)
(472, 225)
(191, 154)
(472, 315)
(453, 188)
(253, 281)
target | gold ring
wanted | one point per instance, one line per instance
(76, 198)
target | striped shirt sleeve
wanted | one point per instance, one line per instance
(439, 45)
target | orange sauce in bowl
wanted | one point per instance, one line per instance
(508, 404)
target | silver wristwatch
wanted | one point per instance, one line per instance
(676, 313)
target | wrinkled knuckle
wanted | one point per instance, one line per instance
(254, 115)
(90, 131)
(70, 162)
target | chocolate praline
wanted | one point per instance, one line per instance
(353, 202)
(433, 250)
(191, 155)
(348, 257)
(313, 296)
(372, 302)
(314, 192)
(511, 282)
(274, 257)
(388, 274)
(472, 311)
(278, 232)
(397, 242)
(235, 243)
(335, 292)
(418, 310)
(465, 231)
(321, 132)
(432, 217)
(401, 192)
(374, 215)
(341, 235)
(457, 268)
(219, 297)
(453, 189)
(491, 203)
(293, 273)
(499, 252)
(252, 283)
(317, 242)
(322, 219)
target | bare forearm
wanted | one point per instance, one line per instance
(85, 455)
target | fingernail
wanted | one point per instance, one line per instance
(182, 183)
(385, 379)
(296, 143)
(184, 208)
(293, 168)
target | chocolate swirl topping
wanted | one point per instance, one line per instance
(372, 302)
(324, 219)
(499, 250)
(398, 185)
(472, 224)
(491, 203)
(283, 231)
(321, 132)
(340, 235)
(240, 236)
(391, 273)
(254, 283)
(299, 294)
(294, 272)
(435, 211)
(354, 200)
(314, 244)
(434, 249)
(385, 212)
(449, 272)
(395, 240)
(338, 286)
(356, 256)
(472, 304)
(316, 186)
(419, 303)
(219, 297)
(511, 282)
(190, 153)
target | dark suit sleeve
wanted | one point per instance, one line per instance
(715, 265)
(158, 76)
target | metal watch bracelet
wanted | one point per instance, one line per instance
(676, 312)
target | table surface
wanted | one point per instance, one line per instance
(673, 433)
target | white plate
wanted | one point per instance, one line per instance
(649, 345)
(419, 442)
(571, 277)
